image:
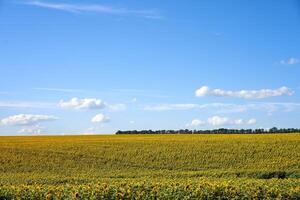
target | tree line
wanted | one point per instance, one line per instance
(214, 131)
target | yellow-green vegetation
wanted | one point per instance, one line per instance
(151, 167)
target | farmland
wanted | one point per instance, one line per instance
(151, 166)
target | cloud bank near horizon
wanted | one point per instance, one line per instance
(221, 121)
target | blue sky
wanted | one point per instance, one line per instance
(72, 67)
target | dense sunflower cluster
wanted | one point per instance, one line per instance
(165, 189)
(151, 167)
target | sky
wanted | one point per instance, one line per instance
(95, 67)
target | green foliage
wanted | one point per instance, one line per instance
(213, 131)
(151, 167)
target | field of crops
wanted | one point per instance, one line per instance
(151, 167)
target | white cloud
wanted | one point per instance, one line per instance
(220, 121)
(224, 121)
(202, 91)
(97, 8)
(90, 104)
(27, 119)
(33, 130)
(100, 118)
(290, 61)
(197, 122)
(251, 121)
(82, 104)
(131, 122)
(248, 94)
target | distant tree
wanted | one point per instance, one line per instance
(214, 131)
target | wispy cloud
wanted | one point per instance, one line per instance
(289, 61)
(24, 104)
(59, 90)
(116, 107)
(32, 130)
(166, 107)
(96, 8)
(227, 107)
(135, 91)
(219, 107)
(247, 94)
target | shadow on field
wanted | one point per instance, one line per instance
(275, 174)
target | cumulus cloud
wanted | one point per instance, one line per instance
(82, 104)
(27, 119)
(247, 94)
(100, 118)
(218, 121)
(221, 121)
(290, 61)
(224, 121)
(202, 91)
(197, 122)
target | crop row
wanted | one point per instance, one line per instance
(164, 189)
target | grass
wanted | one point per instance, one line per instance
(77, 161)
